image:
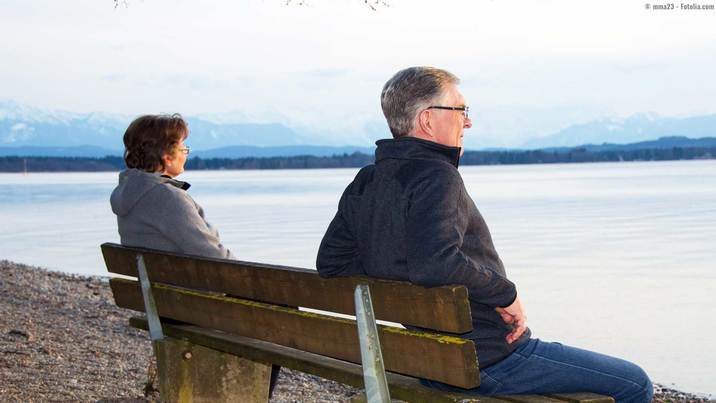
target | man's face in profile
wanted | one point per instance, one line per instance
(449, 125)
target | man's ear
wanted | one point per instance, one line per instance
(424, 123)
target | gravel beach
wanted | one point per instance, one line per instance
(63, 339)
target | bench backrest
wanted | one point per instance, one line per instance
(256, 300)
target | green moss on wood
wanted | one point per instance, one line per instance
(443, 339)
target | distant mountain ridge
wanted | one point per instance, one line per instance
(637, 128)
(79, 151)
(24, 126)
(234, 152)
(669, 149)
(47, 131)
(223, 152)
(661, 143)
(280, 151)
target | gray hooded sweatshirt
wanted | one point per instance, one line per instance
(156, 212)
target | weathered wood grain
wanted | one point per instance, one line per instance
(531, 399)
(443, 358)
(445, 309)
(582, 397)
(401, 387)
(190, 372)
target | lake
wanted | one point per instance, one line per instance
(614, 257)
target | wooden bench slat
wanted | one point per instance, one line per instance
(401, 387)
(582, 397)
(531, 399)
(444, 309)
(446, 359)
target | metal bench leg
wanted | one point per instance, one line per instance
(376, 385)
(155, 326)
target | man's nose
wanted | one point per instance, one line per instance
(468, 123)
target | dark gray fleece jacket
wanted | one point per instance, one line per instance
(409, 217)
(156, 212)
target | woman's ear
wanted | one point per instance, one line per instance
(167, 159)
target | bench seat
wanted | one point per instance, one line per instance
(224, 323)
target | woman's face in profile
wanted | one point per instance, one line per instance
(174, 162)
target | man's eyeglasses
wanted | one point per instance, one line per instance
(463, 109)
(186, 150)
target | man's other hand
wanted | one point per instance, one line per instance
(515, 316)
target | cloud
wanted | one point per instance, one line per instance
(113, 77)
(529, 67)
(327, 73)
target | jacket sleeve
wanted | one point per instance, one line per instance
(182, 221)
(434, 236)
(338, 255)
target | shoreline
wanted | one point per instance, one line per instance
(63, 338)
(564, 155)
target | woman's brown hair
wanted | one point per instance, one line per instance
(149, 137)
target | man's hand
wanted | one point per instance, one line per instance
(515, 316)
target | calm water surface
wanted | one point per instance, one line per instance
(619, 258)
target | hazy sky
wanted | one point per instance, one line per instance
(527, 67)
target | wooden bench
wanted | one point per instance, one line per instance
(224, 323)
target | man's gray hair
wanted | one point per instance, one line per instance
(408, 92)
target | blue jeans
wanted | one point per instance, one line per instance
(539, 367)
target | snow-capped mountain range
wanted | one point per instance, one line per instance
(636, 128)
(61, 133)
(22, 126)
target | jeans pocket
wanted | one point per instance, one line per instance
(504, 368)
(489, 386)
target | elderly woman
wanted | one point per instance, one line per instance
(154, 209)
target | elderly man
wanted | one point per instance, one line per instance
(409, 217)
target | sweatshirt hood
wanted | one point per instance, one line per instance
(133, 185)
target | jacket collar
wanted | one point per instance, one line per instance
(181, 185)
(415, 148)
